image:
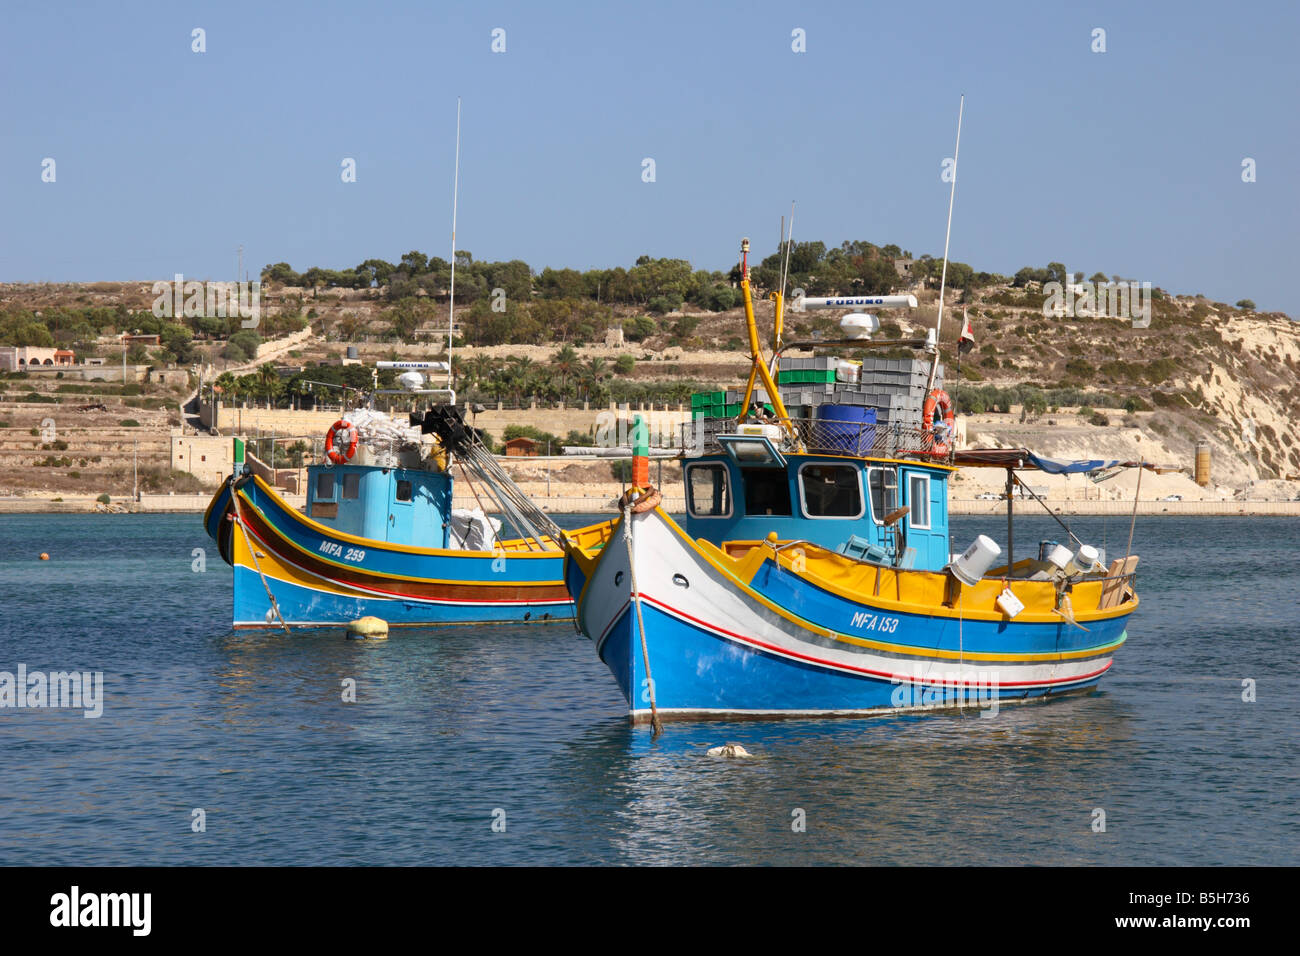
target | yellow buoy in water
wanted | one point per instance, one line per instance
(369, 628)
(45, 556)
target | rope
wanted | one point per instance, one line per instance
(1133, 523)
(655, 724)
(1054, 515)
(239, 520)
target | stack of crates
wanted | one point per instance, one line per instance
(808, 371)
(708, 405)
(895, 388)
(723, 404)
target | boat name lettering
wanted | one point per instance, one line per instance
(336, 550)
(866, 621)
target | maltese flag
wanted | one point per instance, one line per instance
(965, 341)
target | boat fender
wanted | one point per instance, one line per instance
(640, 500)
(938, 440)
(368, 628)
(346, 436)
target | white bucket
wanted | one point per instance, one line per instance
(975, 562)
(1084, 560)
(1059, 556)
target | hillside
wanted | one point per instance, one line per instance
(1202, 372)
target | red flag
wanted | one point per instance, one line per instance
(965, 341)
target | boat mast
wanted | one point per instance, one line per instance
(779, 319)
(451, 302)
(943, 279)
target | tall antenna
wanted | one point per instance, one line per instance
(789, 241)
(451, 303)
(943, 278)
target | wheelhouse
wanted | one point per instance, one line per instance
(398, 505)
(883, 510)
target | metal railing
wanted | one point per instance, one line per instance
(818, 436)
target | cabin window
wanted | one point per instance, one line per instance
(831, 491)
(324, 486)
(403, 491)
(707, 492)
(351, 485)
(918, 496)
(767, 491)
(883, 483)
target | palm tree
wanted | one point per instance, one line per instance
(481, 368)
(268, 382)
(565, 362)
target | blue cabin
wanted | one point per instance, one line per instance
(398, 505)
(840, 503)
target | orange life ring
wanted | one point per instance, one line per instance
(937, 401)
(343, 430)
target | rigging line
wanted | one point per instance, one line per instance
(943, 279)
(1054, 515)
(451, 299)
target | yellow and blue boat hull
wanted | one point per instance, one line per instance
(759, 629)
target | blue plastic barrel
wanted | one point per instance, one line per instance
(847, 429)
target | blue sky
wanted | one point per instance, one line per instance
(1127, 161)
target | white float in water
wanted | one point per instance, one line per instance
(729, 750)
(369, 628)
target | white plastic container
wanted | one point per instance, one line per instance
(1084, 560)
(1009, 604)
(976, 560)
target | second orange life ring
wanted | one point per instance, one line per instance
(934, 444)
(342, 432)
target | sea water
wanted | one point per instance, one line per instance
(509, 745)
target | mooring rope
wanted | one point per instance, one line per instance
(656, 725)
(239, 520)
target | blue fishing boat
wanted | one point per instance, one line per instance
(814, 572)
(380, 537)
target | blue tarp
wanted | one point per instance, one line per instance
(1054, 466)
